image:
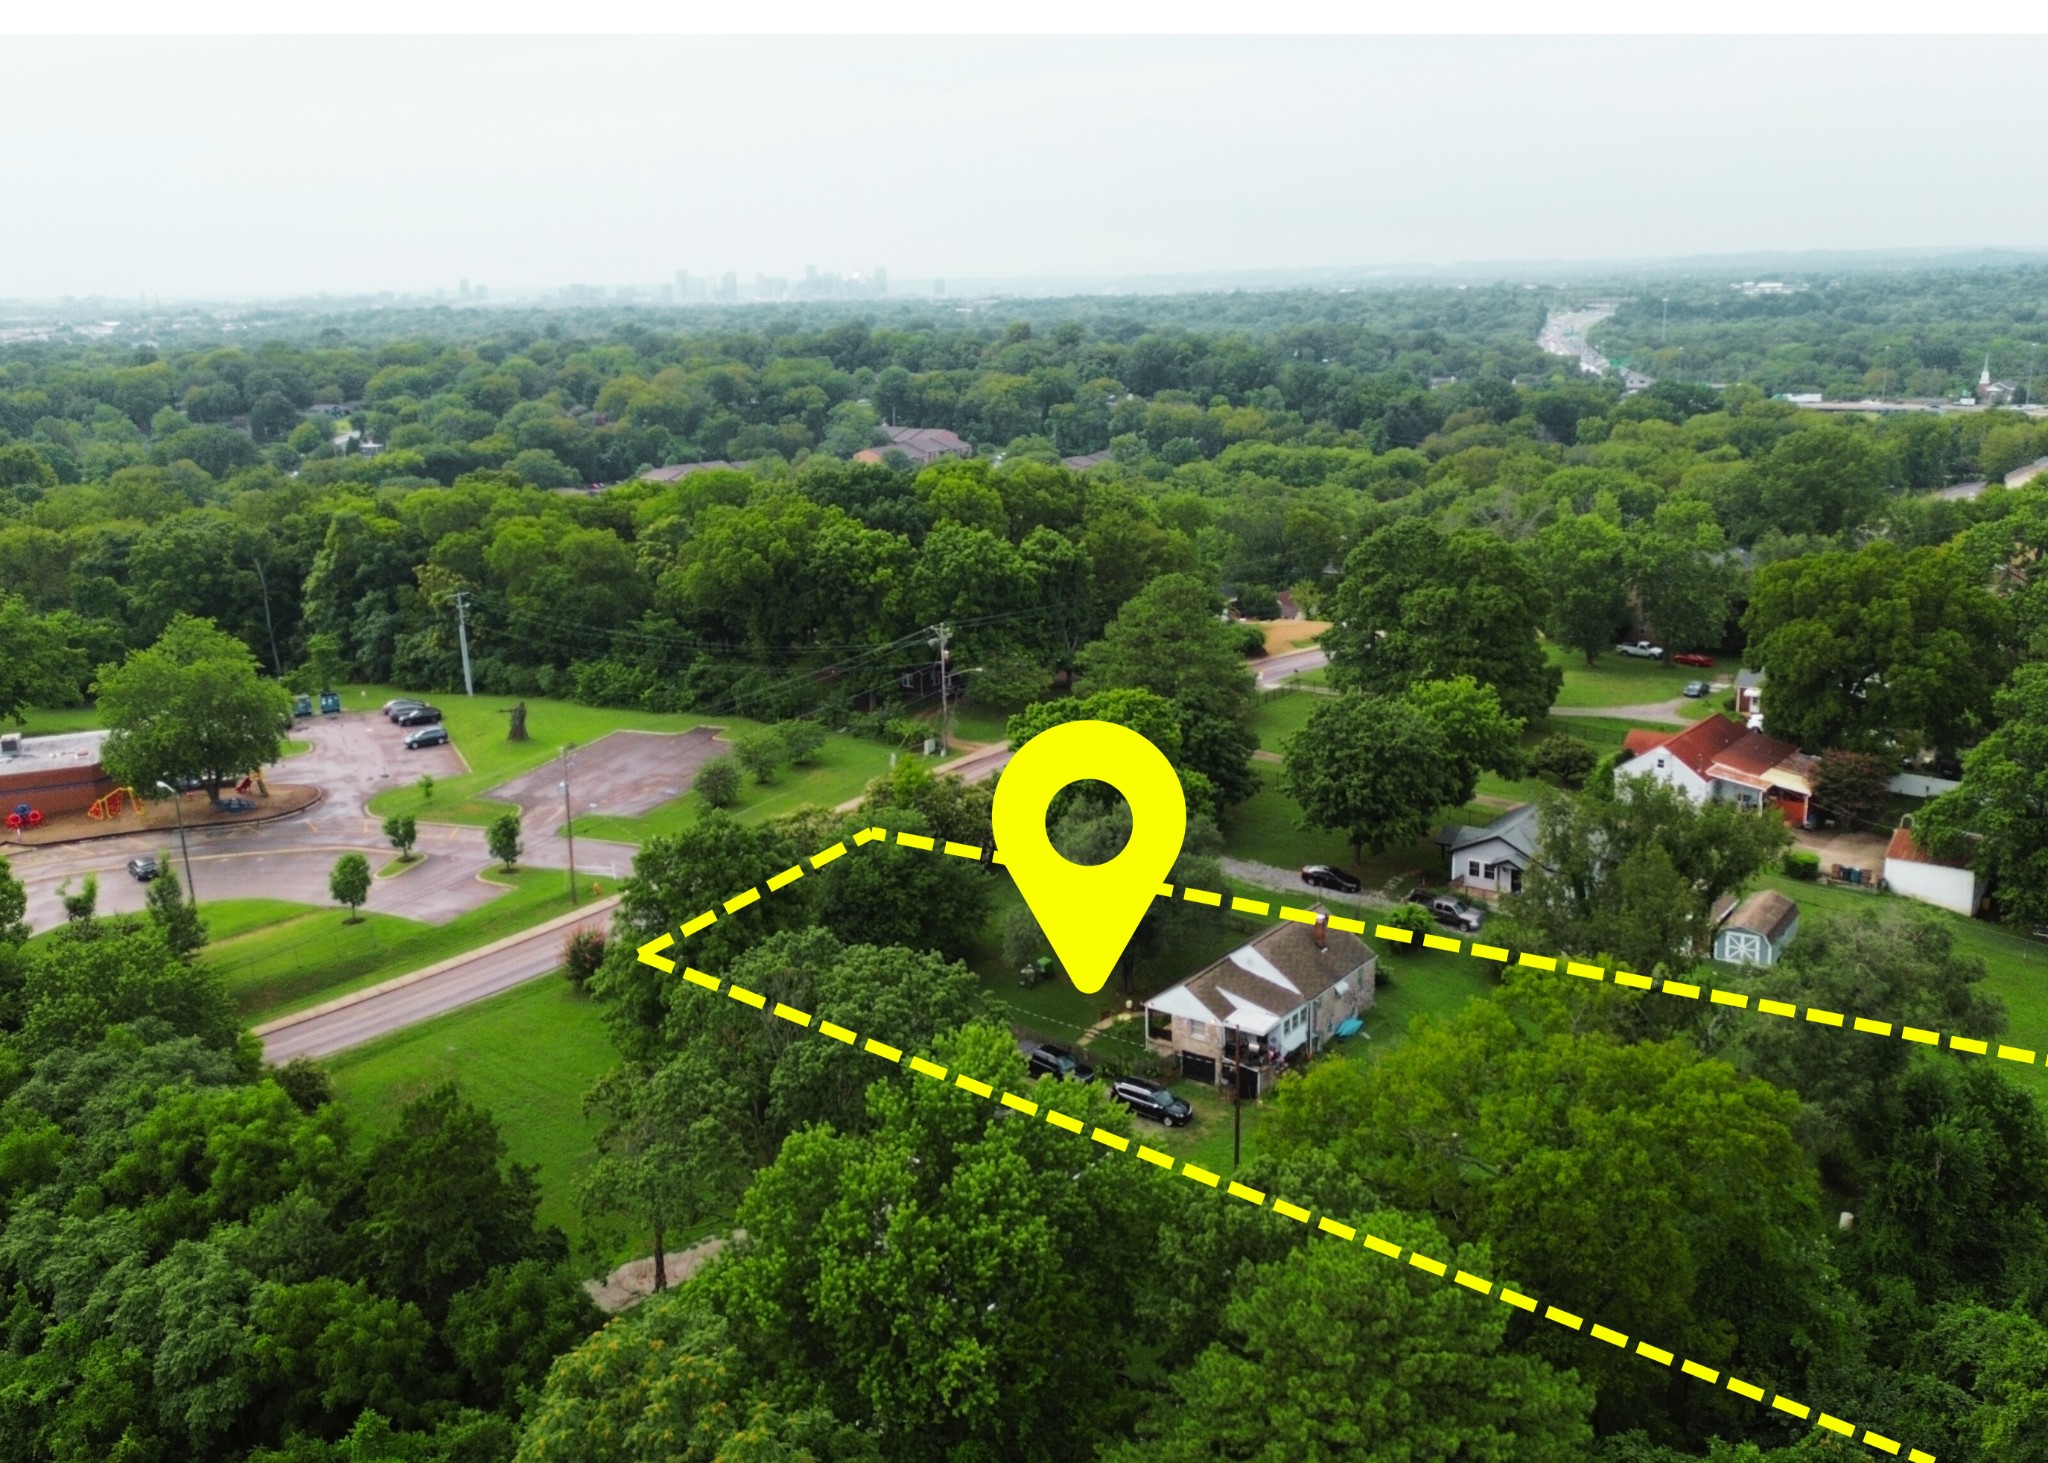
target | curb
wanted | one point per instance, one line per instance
(354, 998)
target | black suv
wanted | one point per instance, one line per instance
(417, 716)
(1048, 1060)
(144, 868)
(1151, 1100)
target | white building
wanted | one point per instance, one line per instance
(1716, 759)
(1492, 859)
(1912, 871)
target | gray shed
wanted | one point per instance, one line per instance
(1757, 930)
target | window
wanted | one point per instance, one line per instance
(1660, 764)
(1471, 868)
(1198, 1030)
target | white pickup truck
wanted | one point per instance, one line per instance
(1642, 650)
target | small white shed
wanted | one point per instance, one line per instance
(1757, 930)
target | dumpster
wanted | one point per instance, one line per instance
(302, 706)
(330, 703)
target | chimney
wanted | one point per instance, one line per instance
(1320, 930)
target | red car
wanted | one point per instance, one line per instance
(1692, 657)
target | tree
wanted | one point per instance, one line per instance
(75, 986)
(666, 1152)
(801, 741)
(426, 787)
(402, 831)
(1633, 872)
(1581, 562)
(13, 907)
(718, 782)
(80, 908)
(1372, 768)
(349, 884)
(1168, 639)
(1565, 758)
(1335, 1352)
(503, 841)
(1678, 565)
(1478, 734)
(38, 666)
(1416, 604)
(191, 706)
(760, 753)
(1852, 785)
(1998, 818)
(1877, 644)
(170, 912)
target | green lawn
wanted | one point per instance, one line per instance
(2016, 967)
(292, 747)
(51, 721)
(226, 919)
(975, 723)
(528, 1056)
(284, 966)
(1615, 679)
(842, 771)
(1278, 715)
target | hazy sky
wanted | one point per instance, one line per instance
(217, 167)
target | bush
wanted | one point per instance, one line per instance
(1563, 758)
(1408, 917)
(1251, 640)
(582, 953)
(1256, 602)
(801, 741)
(1798, 863)
(718, 782)
(760, 753)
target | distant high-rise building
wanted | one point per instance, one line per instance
(881, 280)
(463, 291)
(728, 288)
(668, 294)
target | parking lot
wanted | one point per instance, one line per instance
(623, 773)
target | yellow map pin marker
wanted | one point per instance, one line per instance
(1089, 911)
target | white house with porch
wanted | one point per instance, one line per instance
(1281, 996)
(1493, 858)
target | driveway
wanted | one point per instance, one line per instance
(1288, 881)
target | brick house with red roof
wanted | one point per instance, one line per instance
(1719, 759)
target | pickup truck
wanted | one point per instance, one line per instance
(1642, 650)
(1446, 910)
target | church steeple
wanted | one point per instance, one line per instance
(1984, 381)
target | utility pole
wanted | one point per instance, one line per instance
(178, 806)
(263, 584)
(569, 819)
(941, 633)
(462, 630)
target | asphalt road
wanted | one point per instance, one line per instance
(473, 976)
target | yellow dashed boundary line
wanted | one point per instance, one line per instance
(650, 954)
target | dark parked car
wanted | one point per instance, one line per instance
(418, 716)
(400, 703)
(143, 868)
(427, 736)
(1695, 689)
(1322, 876)
(1151, 1100)
(1048, 1060)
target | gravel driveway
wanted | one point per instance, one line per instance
(1288, 881)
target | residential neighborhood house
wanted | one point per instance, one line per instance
(1282, 995)
(922, 445)
(1719, 759)
(1492, 859)
(1757, 930)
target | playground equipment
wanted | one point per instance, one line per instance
(24, 816)
(110, 805)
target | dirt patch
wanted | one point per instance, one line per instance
(280, 800)
(633, 1281)
(1285, 635)
(625, 773)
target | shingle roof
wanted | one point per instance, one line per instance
(928, 442)
(1767, 912)
(1517, 828)
(1700, 744)
(1258, 983)
(1641, 739)
(677, 470)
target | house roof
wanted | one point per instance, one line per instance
(677, 470)
(1907, 849)
(1641, 739)
(1516, 828)
(928, 442)
(1085, 460)
(1702, 743)
(1259, 983)
(1767, 912)
(1715, 747)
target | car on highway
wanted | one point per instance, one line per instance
(1693, 658)
(1695, 689)
(397, 704)
(1322, 876)
(143, 867)
(1047, 1060)
(427, 736)
(421, 715)
(1152, 1100)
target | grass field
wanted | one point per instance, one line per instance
(1262, 828)
(528, 1056)
(296, 961)
(1615, 679)
(842, 770)
(51, 721)
(1279, 715)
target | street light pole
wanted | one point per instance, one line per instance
(569, 819)
(184, 849)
